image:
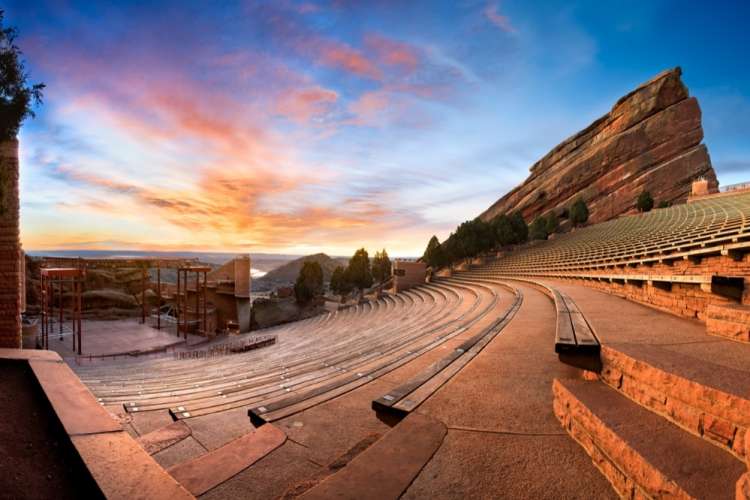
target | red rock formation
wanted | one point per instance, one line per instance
(651, 139)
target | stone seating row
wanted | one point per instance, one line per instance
(401, 400)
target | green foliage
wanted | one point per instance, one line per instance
(339, 284)
(358, 271)
(434, 254)
(538, 229)
(381, 266)
(16, 97)
(519, 227)
(309, 282)
(645, 202)
(665, 204)
(579, 212)
(552, 223)
(505, 234)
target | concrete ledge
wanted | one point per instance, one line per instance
(120, 467)
(210, 470)
(387, 468)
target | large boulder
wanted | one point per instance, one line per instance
(650, 140)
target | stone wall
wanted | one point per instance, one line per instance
(650, 140)
(723, 316)
(407, 274)
(10, 247)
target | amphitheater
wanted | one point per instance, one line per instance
(609, 361)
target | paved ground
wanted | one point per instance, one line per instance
(113, 337)
(503, 439)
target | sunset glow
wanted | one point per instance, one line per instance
(298, 127)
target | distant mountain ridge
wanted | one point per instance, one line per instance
(286, 274)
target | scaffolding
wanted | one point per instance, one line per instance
(200, 312)
(55, 281)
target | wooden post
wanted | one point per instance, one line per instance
(197, 300)
(205, 319)
(158, 295)
(143, 295)
(177, 302)
(60, 301)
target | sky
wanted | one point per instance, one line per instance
(301, 126)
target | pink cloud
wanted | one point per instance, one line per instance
(344, 57)
(392, 52)
(492, 13)
(301, 105)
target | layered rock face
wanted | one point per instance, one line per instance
(650, 140)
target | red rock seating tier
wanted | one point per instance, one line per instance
(692, 260)
(10, 247)
(650, 140)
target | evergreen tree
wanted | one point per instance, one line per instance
(381, 266)
(579, 212)
(434, 255)
(665, 204)
(505, 233)
(358, 271)
(538, 229)
(645, 202)
(552, 223)
(309, 282)
(519, 227)
(16, 97)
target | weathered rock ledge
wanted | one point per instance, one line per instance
(651, 139)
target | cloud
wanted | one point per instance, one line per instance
(302, 105)
(492, 13)
(342, 56)
(393, 53)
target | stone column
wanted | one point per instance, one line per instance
(10, 247)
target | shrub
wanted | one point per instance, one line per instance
(538, 229)
(579, 212)
(645, 202)
(552, 223)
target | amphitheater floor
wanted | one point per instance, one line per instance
(503, 440)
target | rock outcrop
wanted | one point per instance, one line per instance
(650, 140)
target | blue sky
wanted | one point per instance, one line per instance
(296, 127)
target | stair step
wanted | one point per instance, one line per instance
(709, 400)
(640, 453)
(210, 470)
(388, 467)
(729, 320)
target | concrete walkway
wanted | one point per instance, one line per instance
(503, 439)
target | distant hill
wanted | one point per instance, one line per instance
(286, 274)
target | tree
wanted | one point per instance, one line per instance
(339, 284)
(505, 234)
(358, 271)
(16, 96)
(519, 227)
(579, 212)
(552, 223)
(665, 204)
(309, 282)
(538, 229)
(381, 266)
(645, 202)
(434, 254)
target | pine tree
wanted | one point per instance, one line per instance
(309, 282)
(579, 212)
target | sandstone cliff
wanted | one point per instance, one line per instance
(651, 139)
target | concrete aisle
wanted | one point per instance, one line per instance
(503, 439)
